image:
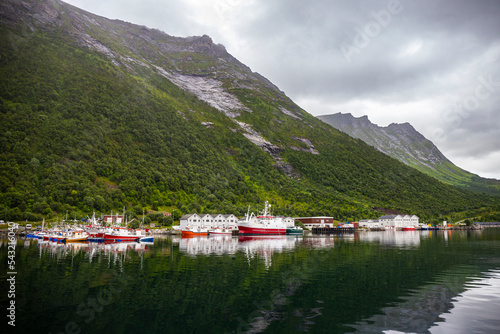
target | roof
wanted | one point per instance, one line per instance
(388, 217)
(188, 215)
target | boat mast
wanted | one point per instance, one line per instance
(248, 213)
(266, 208)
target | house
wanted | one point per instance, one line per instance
(113, 219)
(206, 220)
(370, 223)
(219, 220)
(209, 221)
(191, 219)
(311, 222)
(230, 221)
(398, 221)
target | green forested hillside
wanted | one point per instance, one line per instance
(80, 132)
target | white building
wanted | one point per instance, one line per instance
(229, 221)
(206, 220)
(398, 221)
(191, 219)
(369, 223)
(209, 221)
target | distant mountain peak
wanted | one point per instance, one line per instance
(404, 143)
(401, 141)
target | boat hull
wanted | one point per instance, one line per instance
(294, 231)
(194, 234)
(408, 228)
(118, 238)
(220, 231)
(82, 239)
(249, 230)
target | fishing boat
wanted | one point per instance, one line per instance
(121, 234)
(220, 231)
(77, 236)
(193, 231)
(263, 224)
(96, 232)
(57, 238)
(409, 228)
(294, 230)
(96, 236)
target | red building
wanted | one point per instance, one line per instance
(113, 219)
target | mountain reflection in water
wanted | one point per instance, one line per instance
(366, 282)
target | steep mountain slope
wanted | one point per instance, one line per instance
(99, 114)
(403, 142)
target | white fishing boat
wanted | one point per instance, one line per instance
(263, 224)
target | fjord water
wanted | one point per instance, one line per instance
(369, 282)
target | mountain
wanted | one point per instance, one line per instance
(99, 114)
(403, 142)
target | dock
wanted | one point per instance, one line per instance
(333, 230)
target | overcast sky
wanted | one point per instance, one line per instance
(432, 63)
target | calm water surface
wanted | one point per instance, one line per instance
(369, 282)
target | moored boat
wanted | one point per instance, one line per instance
(263, 224)
(121, 234)
(192, 231)
(77, 236)
(409, 228)
(220, 231)
(96, 236)
(294, 230)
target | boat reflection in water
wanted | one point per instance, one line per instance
(262, 246)
(92, 250)
(209, 245)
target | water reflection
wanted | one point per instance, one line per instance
(264, 246)
(446, 306)
(217, 244)
(480, 292)
(91, 250)
(402, 239)
(369, 282)
(253, 246)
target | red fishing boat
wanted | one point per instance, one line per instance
(263, 224)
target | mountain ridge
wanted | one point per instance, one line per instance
(404, 143)
(100, 114)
